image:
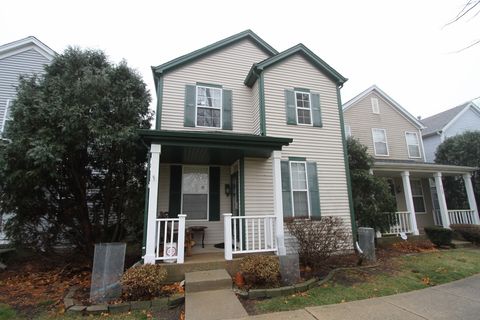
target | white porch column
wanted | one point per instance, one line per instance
(155, 150)
(277, 202)
(407, 190)
(181, 238)
(441, 199)
(471, 196)
(227, 235)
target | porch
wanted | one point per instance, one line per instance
(195, 205)
(420, 197)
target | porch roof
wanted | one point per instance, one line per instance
(420, 167)
(200, 147)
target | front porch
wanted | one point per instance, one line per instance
(419, 193)
(196, 208)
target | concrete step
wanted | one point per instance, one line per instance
(207, 280)
(462, 244)
(213, 305)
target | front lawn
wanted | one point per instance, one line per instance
(394, 275)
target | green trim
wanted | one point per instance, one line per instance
(301, 89)
(261, 98)
(321, 65)
(158, 119)
(297, 159)
(347, 167)
(145, 210)
(204, 84)
(182, 60)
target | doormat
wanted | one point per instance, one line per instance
(220, 245)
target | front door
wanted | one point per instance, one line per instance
(234, 193)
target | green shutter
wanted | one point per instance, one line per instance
(290, 108)
(313, 190)
(316, 111)
(190, 101)
(227, 109)
(286, 194)
(214, 194)
(175, 198)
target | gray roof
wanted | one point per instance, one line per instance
(438, 121)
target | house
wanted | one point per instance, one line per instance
(394, 138)
(446, 124)
(24, 57)
(245, 136)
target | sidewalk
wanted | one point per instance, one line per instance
(455, 300)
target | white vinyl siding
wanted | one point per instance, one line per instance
(413, 144)
(228, 67)
(380, 143)
(375, 106)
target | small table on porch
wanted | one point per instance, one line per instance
(201, 229)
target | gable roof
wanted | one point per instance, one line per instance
(257, 68)
(177, 62)
(395, 104)
(438, 122)
(25, 44)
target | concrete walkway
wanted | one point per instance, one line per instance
(455, 300)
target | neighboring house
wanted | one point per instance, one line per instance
(446, 124)
(245, 137)
(24, 57)
(394, 138)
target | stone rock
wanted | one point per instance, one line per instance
(140, 305)
(68, 302)
(159, 304)
(119, 308)
(97, 309)
(176, 299)
(76, 309)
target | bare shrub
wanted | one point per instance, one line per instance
(317, 240)
(260, 269)
(143, 282)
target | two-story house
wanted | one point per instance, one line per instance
(24, 57)
(245, 136)
(449, 123)
(394, 138)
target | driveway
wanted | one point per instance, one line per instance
(454, 300)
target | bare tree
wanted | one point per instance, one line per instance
(470, 10)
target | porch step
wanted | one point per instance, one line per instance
(207, 280)
(462, 244)
(213, 305)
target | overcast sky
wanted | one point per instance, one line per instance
(402, 46)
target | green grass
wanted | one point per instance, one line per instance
(405, 273)
(140, 315)
(6, 312)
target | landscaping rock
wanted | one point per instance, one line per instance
(97, 309)
(311, 283)
(275, 292)
(288, 290)
(176, 299)
(241, 293)
(68, 302)
(257, 293)
(159, 304)
(71, 292)
(76, 309)
(300, 287)
(119, 308)
(140, 305)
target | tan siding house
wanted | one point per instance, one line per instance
(245, 136)
(394, 138)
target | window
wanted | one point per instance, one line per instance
(375, 106)
(209, 107)
(7, 115)
(417, 194)
(298, 171)
(195, 182)
(413, 144)
(302, 101)
(348, 131)
(380, 142)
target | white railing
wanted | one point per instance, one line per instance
(399, 223)
(249, 234)
(170, 239)
(462, 216)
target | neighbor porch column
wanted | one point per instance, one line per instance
(277, 202)
(407, 190)
(441, 199)
(471, 196)
(155, 150)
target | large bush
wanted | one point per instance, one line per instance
(317, 240)
(143, 282)
(470, 232)
(439, 236)
(260, 269)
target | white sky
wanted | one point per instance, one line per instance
(398, 45)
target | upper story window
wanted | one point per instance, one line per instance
(7, 116)
(209, 107)
(413, 144)
(302, 101)
(348, 131)
(375, 106)
(380, 142)
(298, 171)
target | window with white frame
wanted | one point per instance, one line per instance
(375, 106)
(413, 144)
(380, 142)
(298, 172)
(417, 194)
(209, 107)
(195, 192)
(302, 101)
